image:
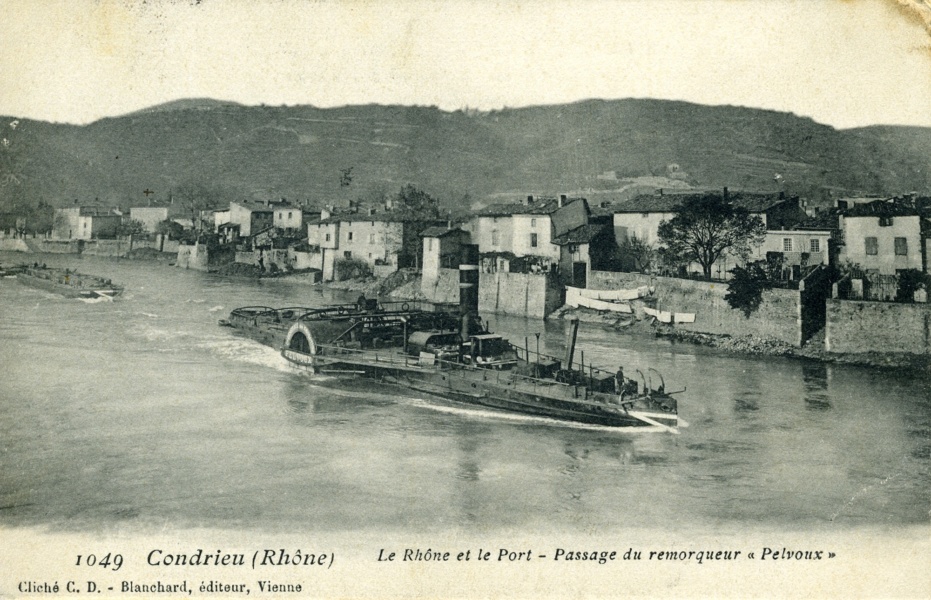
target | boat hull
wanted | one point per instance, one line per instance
(496, 389)
(68, 290)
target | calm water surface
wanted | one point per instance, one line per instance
(144, 412)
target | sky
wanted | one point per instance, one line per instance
(846, 63)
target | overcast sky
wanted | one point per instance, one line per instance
(847, 63)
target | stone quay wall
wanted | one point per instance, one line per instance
(859, 326)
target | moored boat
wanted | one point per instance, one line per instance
(67, 282)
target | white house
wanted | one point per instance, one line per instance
(883, 237)
(527, 228)
(149, 216)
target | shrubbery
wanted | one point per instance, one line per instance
(745, 290)
(351, 268)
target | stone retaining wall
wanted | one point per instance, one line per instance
(778, 316)
(858, 326)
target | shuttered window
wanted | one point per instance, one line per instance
(901, 246)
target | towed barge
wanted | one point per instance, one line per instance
(453, 355)
(68, 283)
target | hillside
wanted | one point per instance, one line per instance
(461, 157)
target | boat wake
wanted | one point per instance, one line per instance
(247, 351)
(97, 299)
(530, 419)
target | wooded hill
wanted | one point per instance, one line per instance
(461, 157)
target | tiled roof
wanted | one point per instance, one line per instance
(881, 208)
(579, 235)
(540, 206)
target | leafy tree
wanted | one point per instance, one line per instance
(637, 254)
(170, 228)
(910, 281)
(416, 203)
(351, 268)
(131, 227)
(705, 227)
(745, 289)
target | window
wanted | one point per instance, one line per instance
(533, 222)
(371, 238)
(885, 221)
(429, 244)
(494, 237)
(347, 254)
(872, 246)
(787, 244)
(289, 215)
(328, 237)
(533, 240)
(349, 235)
(901, 246)
(815, 245)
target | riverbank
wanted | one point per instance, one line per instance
(749, 344)
(403, 284)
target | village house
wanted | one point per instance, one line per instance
(526, 229)
(221, 216)
(639, 219)
(385, 240)
(251, 217)
(149, 216)
(582, 249)
(291, 218)
(884, 237)
(85, 223)
(442, 247)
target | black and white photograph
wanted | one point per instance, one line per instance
(465, 299)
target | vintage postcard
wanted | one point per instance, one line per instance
(465, 299)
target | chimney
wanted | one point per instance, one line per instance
(468, 288)
(726, 195)
(372, 211)
(529, 200)
(325, 213)
(562, 200)
(660, 191)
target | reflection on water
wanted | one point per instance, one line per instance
(815, 376)
(144, 411)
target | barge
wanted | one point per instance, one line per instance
(67, 282)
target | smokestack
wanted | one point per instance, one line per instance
(571, 335)
(468, 287)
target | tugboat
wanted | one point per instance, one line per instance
(434, 350)
(67, 282)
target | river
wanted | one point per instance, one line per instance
(143, 412)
